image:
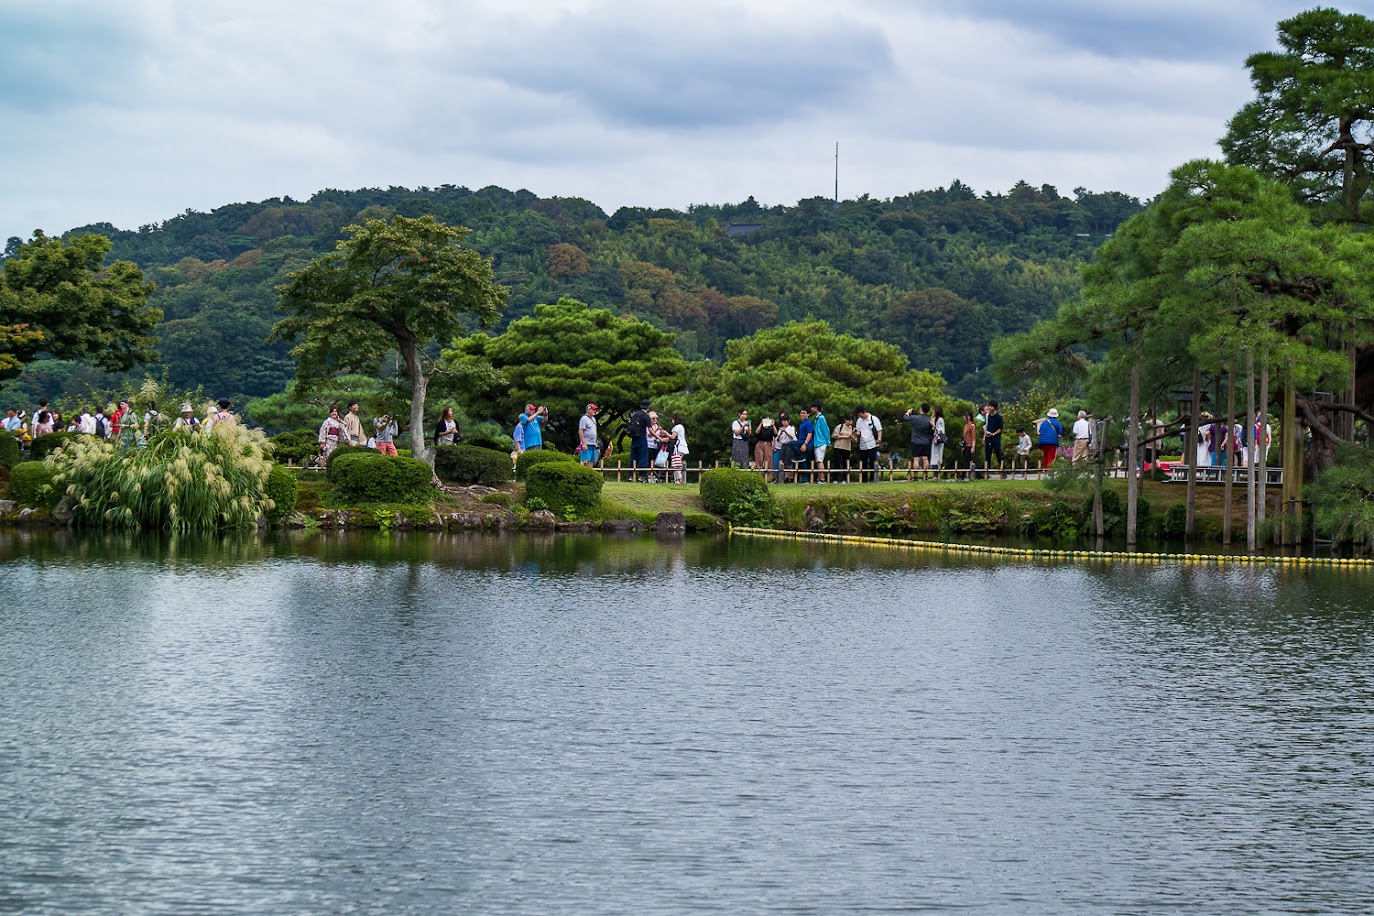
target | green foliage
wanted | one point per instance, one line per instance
(536, 457)
(368, 476)
(282, 488)
(467, 464)
(498, 499)
(180, 482)
(44, 446)
(296, 446)
(1057, 520)
(394, 286)
(305, 407)
(1174, 523)
(9, 449)
(1343, 499)
(722, 489)
(567, 488)
(68, 304)
(339, 452)
(496, 443)
(31, 484)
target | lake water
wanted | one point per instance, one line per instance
(452, 724)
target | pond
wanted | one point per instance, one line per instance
(420, 724)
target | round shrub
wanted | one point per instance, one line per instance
(44, 446)
(9, 449)
(539, 456)
(564, 486)
(296, 446)
(366, 475)
(466, 464)
(31, 484)
(721, 488)
(342, 450)
(282, 488)
(495, 443)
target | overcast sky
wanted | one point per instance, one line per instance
(132, 112)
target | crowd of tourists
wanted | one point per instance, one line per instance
(120, 424)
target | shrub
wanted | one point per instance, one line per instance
(342, 450)
(565, 487)
(366, 475)
(44, 446)
(495, 443)
(1174, 522)
(9, 449)
(179, 482)
(282, 489)
(1343, 498)
(539, 456)
(722, 488)
(31, 484)
(468, 464)
(296, 446)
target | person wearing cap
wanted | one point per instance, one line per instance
(586, 436)
(1048, 432)
(187, 420)
(533, 421)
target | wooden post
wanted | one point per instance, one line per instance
(1132, 449)
(1191, 446)
(1230, 454)
(1252, 453)
(1262, 446)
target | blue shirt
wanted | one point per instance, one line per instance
(804, 429)
(821, 433)
(534, 432)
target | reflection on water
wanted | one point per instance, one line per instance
(340, 723)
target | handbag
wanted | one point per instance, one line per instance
(662, 460)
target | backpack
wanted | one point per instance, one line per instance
(638, 425)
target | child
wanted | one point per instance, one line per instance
(1023, 447)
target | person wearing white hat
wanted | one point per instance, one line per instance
(1048, 432)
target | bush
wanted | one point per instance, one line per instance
(1174, 522)
(495, 443)
(9, 449)
(565, 487)
(366, 475)
(44, 446)
(296, 446)
(342, 450)
(282, 489)
(467, 464)
(539, 456)
(31, 484)
(723, 488)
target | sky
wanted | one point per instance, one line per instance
(133, 111)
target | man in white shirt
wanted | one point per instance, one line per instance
(870, 430)
(1082, 436)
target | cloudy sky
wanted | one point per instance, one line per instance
(132, 111)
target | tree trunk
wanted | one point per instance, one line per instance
(1191, 457)
(1262, 446)
(419, 383)
(1252, 454)
(1230, 453)
(1132, 450)
(1292, 487)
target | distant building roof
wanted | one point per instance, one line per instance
(743, 229)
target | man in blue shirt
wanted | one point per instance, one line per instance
(820, 440)
(992, 436)
(533, 422)
(806, 439)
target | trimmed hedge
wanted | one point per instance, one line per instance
(44, 446)
(296, 446)
(9, 449)
(282, 488)
(496, 443)
(466, 464)
(563, 486)
(720, 488)
(340, 451)
(366, 475)
(31, 485)
(529, 459)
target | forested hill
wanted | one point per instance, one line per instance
(939, 273)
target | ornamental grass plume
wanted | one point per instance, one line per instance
(180, 482)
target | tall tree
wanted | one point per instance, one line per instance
(73, 306)
(396, 286)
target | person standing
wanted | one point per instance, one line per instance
(386, 435)
(445, 431)
(586, 436)
(517, 435)
(533, 420)
(739, 440)
(967, 444)
(638, 431)
(86, 421)
(1082, 436)
(764, 434)
(938, 439)
(332, 433)
(354, 424)
(187, 421)
(843, 447)
(1048, 432)
(680, 449)
(219, 416)
(922, 437)
(1023, 450)
(992, 437)
(43, 422)
(820, 441)
(784, 447)
(870, 430)
(806, 438)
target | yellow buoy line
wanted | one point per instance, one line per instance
(1058, 556)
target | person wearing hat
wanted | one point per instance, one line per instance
(533, 420)
(586, 436)
(1048, 432)
(187, 420)
(218, 416)
(764, 434)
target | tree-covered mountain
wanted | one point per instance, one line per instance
(939, 273)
